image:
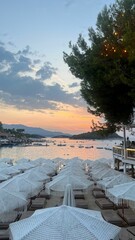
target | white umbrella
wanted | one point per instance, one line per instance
(112, 181)
(11, 200)
(24, 166)
(10, 170)
(40, 161)
(122, 191)
(36, 175)
(69, 199)
(22, 160)
(4, 177)
(58, 185)
(20, 184)
(3, 165)
(6, 160)
(64, 222)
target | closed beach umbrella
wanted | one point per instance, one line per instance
(64, 222)
(69, 199)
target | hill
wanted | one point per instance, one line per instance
(36, 131)
(96, 135)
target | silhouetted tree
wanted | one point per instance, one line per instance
(106, 66)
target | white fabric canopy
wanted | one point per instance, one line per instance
(19, 184)
(69, 199)
(11, 200)
(10, 170)
(122, 191)
(64, 222)
(58, 185)
(112, 181)
(35, 175)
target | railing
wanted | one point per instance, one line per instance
(129, 152)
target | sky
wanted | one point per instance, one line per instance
(36, 86)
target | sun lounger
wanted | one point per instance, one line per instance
(128, 215)
(37, 203)
(7, 218)
(98, 194)
(81, 203)
(104, 203)
(96, 188)
(79, 194)
(43, 194)
(112, 217)
(4, 235)
(26, 214)
(131, 230)
(120, 205)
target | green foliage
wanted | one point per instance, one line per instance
(107, 66)
(1, 126)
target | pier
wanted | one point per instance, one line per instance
(124, 157)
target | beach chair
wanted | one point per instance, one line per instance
(43, 194)
(26, 214)
(79, 195)
(131, 230)
(37, 203)
(4, 234)
(98, 194)
(104, 203)
(7, 218)
(81, 203)
(128, 215)
(112, 217)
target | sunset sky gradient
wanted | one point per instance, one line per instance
(36, 87)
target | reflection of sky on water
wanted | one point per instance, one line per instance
(70, 149)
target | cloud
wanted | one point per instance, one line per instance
(25, 51)
(46, 71)
(23, 85)
(75, 84)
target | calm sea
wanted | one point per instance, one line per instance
(62, 148)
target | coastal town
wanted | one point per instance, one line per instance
(13, 137)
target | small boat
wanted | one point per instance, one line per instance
(99, 147)
(89, 147)
(81, 146)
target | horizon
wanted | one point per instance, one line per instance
(36, 86)
(120, 133)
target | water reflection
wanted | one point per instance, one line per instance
(63, 148)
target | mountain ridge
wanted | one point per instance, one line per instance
(35, 130)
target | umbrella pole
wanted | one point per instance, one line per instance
(122, 207)
(124, 138)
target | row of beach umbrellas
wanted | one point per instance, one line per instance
(65, 221)
(24, 180)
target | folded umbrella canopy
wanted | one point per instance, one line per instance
(64, 222)
(69, 199)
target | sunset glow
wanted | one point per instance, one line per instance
(36, 86)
